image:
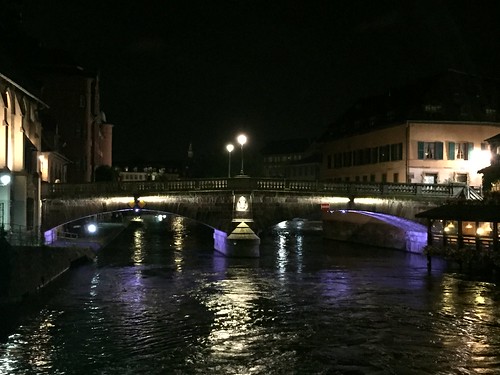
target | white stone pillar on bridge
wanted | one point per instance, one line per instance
(242, 241)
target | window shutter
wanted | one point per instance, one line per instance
(439, 151)
(421, 150)
(451, 150)
(470, 147)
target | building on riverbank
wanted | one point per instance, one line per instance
(21, 144)
(431, 131)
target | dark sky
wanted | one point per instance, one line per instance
(175, 72)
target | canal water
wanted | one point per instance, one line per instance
(158, 300)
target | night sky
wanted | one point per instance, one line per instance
(175, 72)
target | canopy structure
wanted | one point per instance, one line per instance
(464, 225)
(463, 212)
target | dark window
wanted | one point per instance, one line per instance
(397, 151)
(347, 159)
(366, 156)
(337, 160)
(384, 153)
(374, 155)
(358, 157)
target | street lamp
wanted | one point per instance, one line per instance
(5, 180)
(229, 149)
(242, 139)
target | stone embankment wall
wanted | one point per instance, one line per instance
(25, 270)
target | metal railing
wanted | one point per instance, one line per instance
(18, 235)
(347, 189)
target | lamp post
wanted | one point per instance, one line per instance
(229, 149)
(242, 139)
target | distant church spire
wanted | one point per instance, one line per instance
(190, 151)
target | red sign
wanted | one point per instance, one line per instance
(325, 206)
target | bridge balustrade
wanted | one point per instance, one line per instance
(341, 189)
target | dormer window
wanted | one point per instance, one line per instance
(491, 113)
(432, 108)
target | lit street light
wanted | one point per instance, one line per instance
(5, 180)
(242, 139)
(229, 149)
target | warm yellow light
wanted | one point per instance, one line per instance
(230, 147)
(335, 200)
(480, 158)
(480, 231)
(449, 227)
(368, 200)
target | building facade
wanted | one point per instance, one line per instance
(20, 145)
(433, 131)
(134, 172)
(73, 95)
(294, 158)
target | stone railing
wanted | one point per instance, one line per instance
(109, 189)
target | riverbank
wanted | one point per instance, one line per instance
(26, 270)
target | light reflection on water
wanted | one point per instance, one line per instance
(160, 301)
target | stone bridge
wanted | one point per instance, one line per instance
(240, 208)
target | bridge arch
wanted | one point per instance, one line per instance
(375, 229)
(213, 201)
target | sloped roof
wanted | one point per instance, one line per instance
(286, 146)
(456, 96)
(464, 212)
(494, 139)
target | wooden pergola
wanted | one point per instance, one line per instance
(463, 225)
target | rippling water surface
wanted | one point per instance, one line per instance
(160, 301)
